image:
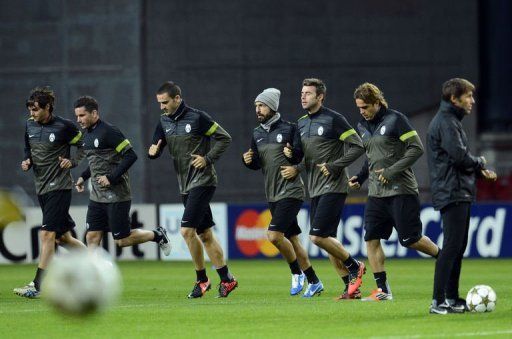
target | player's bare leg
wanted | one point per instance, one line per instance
(93, 238)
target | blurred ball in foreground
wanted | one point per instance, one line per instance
(82, 282)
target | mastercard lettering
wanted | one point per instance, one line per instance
(251, 233)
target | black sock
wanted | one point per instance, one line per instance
(438, 252)
(224, 274)
(381, 281)
(158, 236)
(345, 280)
(351, 264)
(294, 267)
(38, 278)
(311, 275)
(201, 275)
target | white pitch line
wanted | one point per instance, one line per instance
(471, 334)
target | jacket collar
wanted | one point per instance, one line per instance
(448, 107)
(378, 116)
(182, 108)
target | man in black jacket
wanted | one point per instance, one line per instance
(110, 156)
(453, 171)
(392, 146)
(284, 196)
(188, 134)
(48, 140)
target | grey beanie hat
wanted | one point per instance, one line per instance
(270, 97)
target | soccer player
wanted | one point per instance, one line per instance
(327, 144)
(110, 155)
(48, 140)
(284, 196)
(392, 147)
(453, 172)
(188, 133)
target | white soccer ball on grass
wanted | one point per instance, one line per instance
(481, 298)
(82, 282)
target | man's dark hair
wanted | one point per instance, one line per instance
(170, 88)
(456, 87)
(319, 85)
(43, 96)
(88, 102)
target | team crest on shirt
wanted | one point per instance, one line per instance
(188, 128)
(320, 130)
(52, 137)
(279, 137)
(96, 142)
(382, 130)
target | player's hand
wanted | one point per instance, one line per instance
(289, 172)
(353, 184)
(25, 164)
(288, 151)
(489, 175)
(198, 161)
(153, 149)
(79, 185)
(65, 163)
(381, 178)
(103, 181)
(484, 161)
(248, 156)
(323, 169)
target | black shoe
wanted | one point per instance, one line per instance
(458, 305)
(443, 308)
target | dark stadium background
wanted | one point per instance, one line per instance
(223, 53)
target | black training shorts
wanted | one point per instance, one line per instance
(325, 214)
(109, 217)
(55, 207)
(399, 211)
(284, 216)
(198, 213)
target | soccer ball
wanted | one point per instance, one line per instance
(481, 298)
(81, 282)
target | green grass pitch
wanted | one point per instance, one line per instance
(154, 305)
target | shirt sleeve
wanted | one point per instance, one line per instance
(117, 141)
(158, 135)
(255, 164)
(211, 129)
(349, 136)
(27, 149)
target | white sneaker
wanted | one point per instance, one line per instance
(297, 283)
(27, 291)
(164, 244)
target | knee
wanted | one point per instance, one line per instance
(93, 239)
(315, 239)
(121, 242)
(187, 232)
(48, 237)
(275, 237)
(206, 236)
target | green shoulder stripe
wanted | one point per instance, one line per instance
(302, 117)
(122, 145)
(407, 135)
(76, 138)
(212, 129)
(346, 134)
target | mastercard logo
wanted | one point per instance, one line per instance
(251, 233)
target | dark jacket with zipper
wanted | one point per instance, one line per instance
(452, 168)
(326, 137)
(110, 154)
(269, 157)
(44, 144)
(190, 131)
(392, 144)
